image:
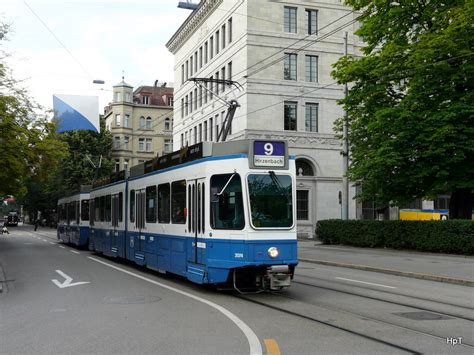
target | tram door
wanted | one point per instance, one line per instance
(196, 219)
(140, 220)
(115, 223)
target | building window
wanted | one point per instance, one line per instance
(168, 146)
(223, 36)
(167, 124)
(182, 140)
(304, 168)
(125, 164)
(148, 144)
(146, 100)
(223, 78)
(141, 144)
(182, 74)
(290, 19)
(210, 130)
(229, 70)
(217, 42)
(200, 96)
(116, 142)
(195, 62)
(289, 70)
(311, 117)
(148, 123)
(229, 29)
(195, 99)
(186, 138)
(117, 165)
(126, 121)
(127, 97)
(205, 52)
(200, 133)
(191, 66)
(211, 89)
(186, 109)
(182, 107)
(217, 84)
(205, 93)
(290, 116)
(118, 96)
(302, 205)
(170, 101)
(195, 135)
(311, 68)
(191, 102)
(200, 57)
(141, 122)
(211, 47)
(118, 120)
(205, 131)
(126, 140)
(312, 21)
(187, 70)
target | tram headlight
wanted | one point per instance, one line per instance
(273, 252)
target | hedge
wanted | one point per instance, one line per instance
(453, 236)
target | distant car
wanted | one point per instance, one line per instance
(13, 219)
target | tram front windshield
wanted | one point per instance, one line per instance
(270, 200)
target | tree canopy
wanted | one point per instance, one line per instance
(410, 104)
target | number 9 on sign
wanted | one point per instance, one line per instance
(268, 148)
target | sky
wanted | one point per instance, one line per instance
(90, 40)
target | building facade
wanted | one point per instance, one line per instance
(141, 123)
(281, 55)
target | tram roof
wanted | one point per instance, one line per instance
(184, 155)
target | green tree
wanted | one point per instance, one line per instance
(28, 143)
(410, 104)
(84, 147)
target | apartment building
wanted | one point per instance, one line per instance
(281, 56)
(141, 123)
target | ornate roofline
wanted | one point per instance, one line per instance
(192, 22)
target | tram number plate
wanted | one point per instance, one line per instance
(269, 154)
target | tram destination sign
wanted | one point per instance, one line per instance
(270, 154)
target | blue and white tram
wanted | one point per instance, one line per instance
(73, 218)
(215, 213)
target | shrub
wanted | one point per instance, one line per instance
(454, 236)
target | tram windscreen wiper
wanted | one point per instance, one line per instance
(225, 186)
(278, 184)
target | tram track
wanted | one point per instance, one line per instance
(346, 329)
(457, 316)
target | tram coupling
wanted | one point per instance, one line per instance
(276, 277)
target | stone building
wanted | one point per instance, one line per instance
(281, 55)
(141, 123)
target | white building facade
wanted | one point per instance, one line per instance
(280, 53)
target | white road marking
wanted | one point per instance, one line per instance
(62, 247)
(73, 251)
(363, 282)
(254, 343)
(51, 243)
(67, 282)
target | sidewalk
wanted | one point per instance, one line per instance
(456, 269)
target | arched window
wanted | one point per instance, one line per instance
(148, 123)
(142, 122)
(304, 168)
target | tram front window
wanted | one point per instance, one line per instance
(227, 208)
(271, 200)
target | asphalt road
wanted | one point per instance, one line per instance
(111, 306)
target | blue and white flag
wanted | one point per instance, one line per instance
(75, 112)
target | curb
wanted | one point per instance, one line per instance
(451, 280)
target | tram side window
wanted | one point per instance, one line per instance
(108, 208)
(71, 210)
(102, 208)
(151, 204)
(178, 202)
(120, 206)
(132, 206)
(91, 211)
(85, 210)
(227, 208)
(164, 203)
(77, 214)
(97, 209)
